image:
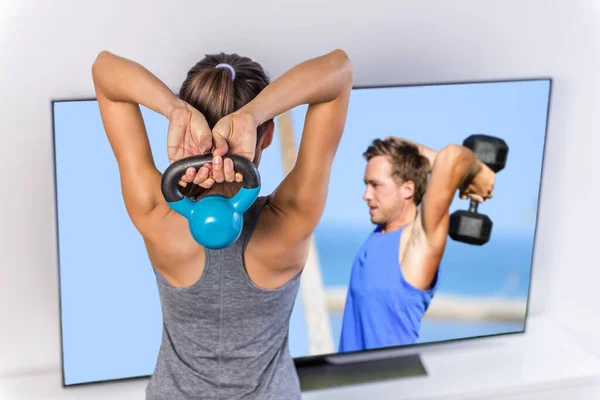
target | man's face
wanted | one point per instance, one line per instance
(385, 194)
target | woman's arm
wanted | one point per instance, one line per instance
(325, 84)
(121, 80)
(318, 80)
(121, 86)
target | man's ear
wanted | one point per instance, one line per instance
(408, 189)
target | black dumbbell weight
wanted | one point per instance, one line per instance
(469, 226)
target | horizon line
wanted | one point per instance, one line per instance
(331, 222)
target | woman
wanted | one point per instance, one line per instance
(225, 312)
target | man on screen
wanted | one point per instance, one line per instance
(409, 189)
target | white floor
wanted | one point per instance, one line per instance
(545, 363)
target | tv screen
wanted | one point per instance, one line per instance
(111, 321)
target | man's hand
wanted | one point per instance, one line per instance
(481, 186)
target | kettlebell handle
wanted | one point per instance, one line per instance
(173, 174)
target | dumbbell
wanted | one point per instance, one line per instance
(469, 226)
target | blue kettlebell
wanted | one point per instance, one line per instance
(215, 221)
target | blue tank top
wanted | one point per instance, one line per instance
(382, 309)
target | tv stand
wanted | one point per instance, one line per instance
(344, 370)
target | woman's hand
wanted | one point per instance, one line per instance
(189, 135)
(235, 133)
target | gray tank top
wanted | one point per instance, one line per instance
(224, 337)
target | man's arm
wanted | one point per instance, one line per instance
(453, 167)
(325, 84)
(425, 151)
(450, 169)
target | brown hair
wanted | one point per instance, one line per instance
(216, 92)
(407, 163)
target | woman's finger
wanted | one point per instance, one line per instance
(201, 176)
(217, 169)
(190, 173)
(228, 170)
(200, 132)
(207, 184)
(220, 134)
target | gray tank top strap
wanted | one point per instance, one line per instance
(251, 218)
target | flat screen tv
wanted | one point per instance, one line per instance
(111, 319)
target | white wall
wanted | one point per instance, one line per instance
(47, 48)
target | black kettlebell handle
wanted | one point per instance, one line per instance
(172, 175)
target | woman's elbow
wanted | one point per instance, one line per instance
(99, 59)
(344, 66)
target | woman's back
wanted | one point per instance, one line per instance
(226, 312)
(224, 336)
